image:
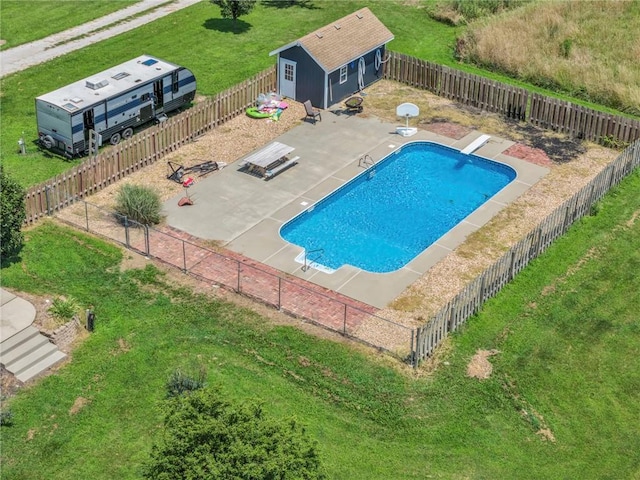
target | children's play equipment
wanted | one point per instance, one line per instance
(407, 110)
(268, 105)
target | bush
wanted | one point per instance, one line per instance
(64, 308)
(6, 418)
(179, 383)
(139, 203)
(12, 215)
(205, 437)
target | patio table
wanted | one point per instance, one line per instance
(266, 161)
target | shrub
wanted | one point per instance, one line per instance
(205, 436)
(610, 141)
(64, 308)
(139, 203)
(179, 383)
(6, 418)
(12, 215)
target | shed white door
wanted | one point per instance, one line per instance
(287, 78)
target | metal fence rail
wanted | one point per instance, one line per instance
(290, 295)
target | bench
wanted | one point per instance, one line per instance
(280, 168)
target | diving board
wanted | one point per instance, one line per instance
(476, 144)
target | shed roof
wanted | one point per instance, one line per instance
(344, 40)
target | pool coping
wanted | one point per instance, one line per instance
(254, 232)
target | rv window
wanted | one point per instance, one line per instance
(145, 97)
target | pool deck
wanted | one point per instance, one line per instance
(244, 213)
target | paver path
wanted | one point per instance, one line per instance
(24, 352)
(254, 279)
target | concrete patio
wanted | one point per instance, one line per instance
(244, 213)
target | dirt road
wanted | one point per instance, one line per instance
(24, 56)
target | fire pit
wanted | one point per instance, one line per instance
(354, 104)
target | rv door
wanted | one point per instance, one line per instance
(89, 123)
(158, 96)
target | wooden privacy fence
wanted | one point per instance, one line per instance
(468, 301)
(153, 143)
(456, 85)
(512, 102)
(144, 148)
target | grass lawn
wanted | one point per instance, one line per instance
(566, 330)
(26, 21)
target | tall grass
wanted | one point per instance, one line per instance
(589, 50)
(139, 203)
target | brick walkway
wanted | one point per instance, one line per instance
(530, 154)
(254, 279)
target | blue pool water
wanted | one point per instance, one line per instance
(379, 223)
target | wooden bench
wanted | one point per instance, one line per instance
(280, 168)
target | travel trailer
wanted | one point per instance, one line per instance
(108, 106)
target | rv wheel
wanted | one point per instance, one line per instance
(127, 134)
(47, 141)
(115, 139)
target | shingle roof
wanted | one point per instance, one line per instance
(344, 40)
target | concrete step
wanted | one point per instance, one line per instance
(43, 364)
(29, 359)
(16, 340)
(31, 344)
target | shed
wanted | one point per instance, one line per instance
(335, 61)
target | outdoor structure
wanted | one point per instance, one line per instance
(332, 63)
(111, 104)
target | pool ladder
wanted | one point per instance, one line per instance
(366, 161)
(305, 266)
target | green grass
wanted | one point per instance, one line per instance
(219, 55)
(22, 21)
(566, 329)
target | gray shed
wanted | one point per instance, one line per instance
(335, 61)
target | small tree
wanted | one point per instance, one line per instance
(12, 215)
(205, 437)
(234, 8)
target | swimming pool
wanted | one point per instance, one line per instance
(390, 213)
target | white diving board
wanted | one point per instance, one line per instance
(476, 144)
